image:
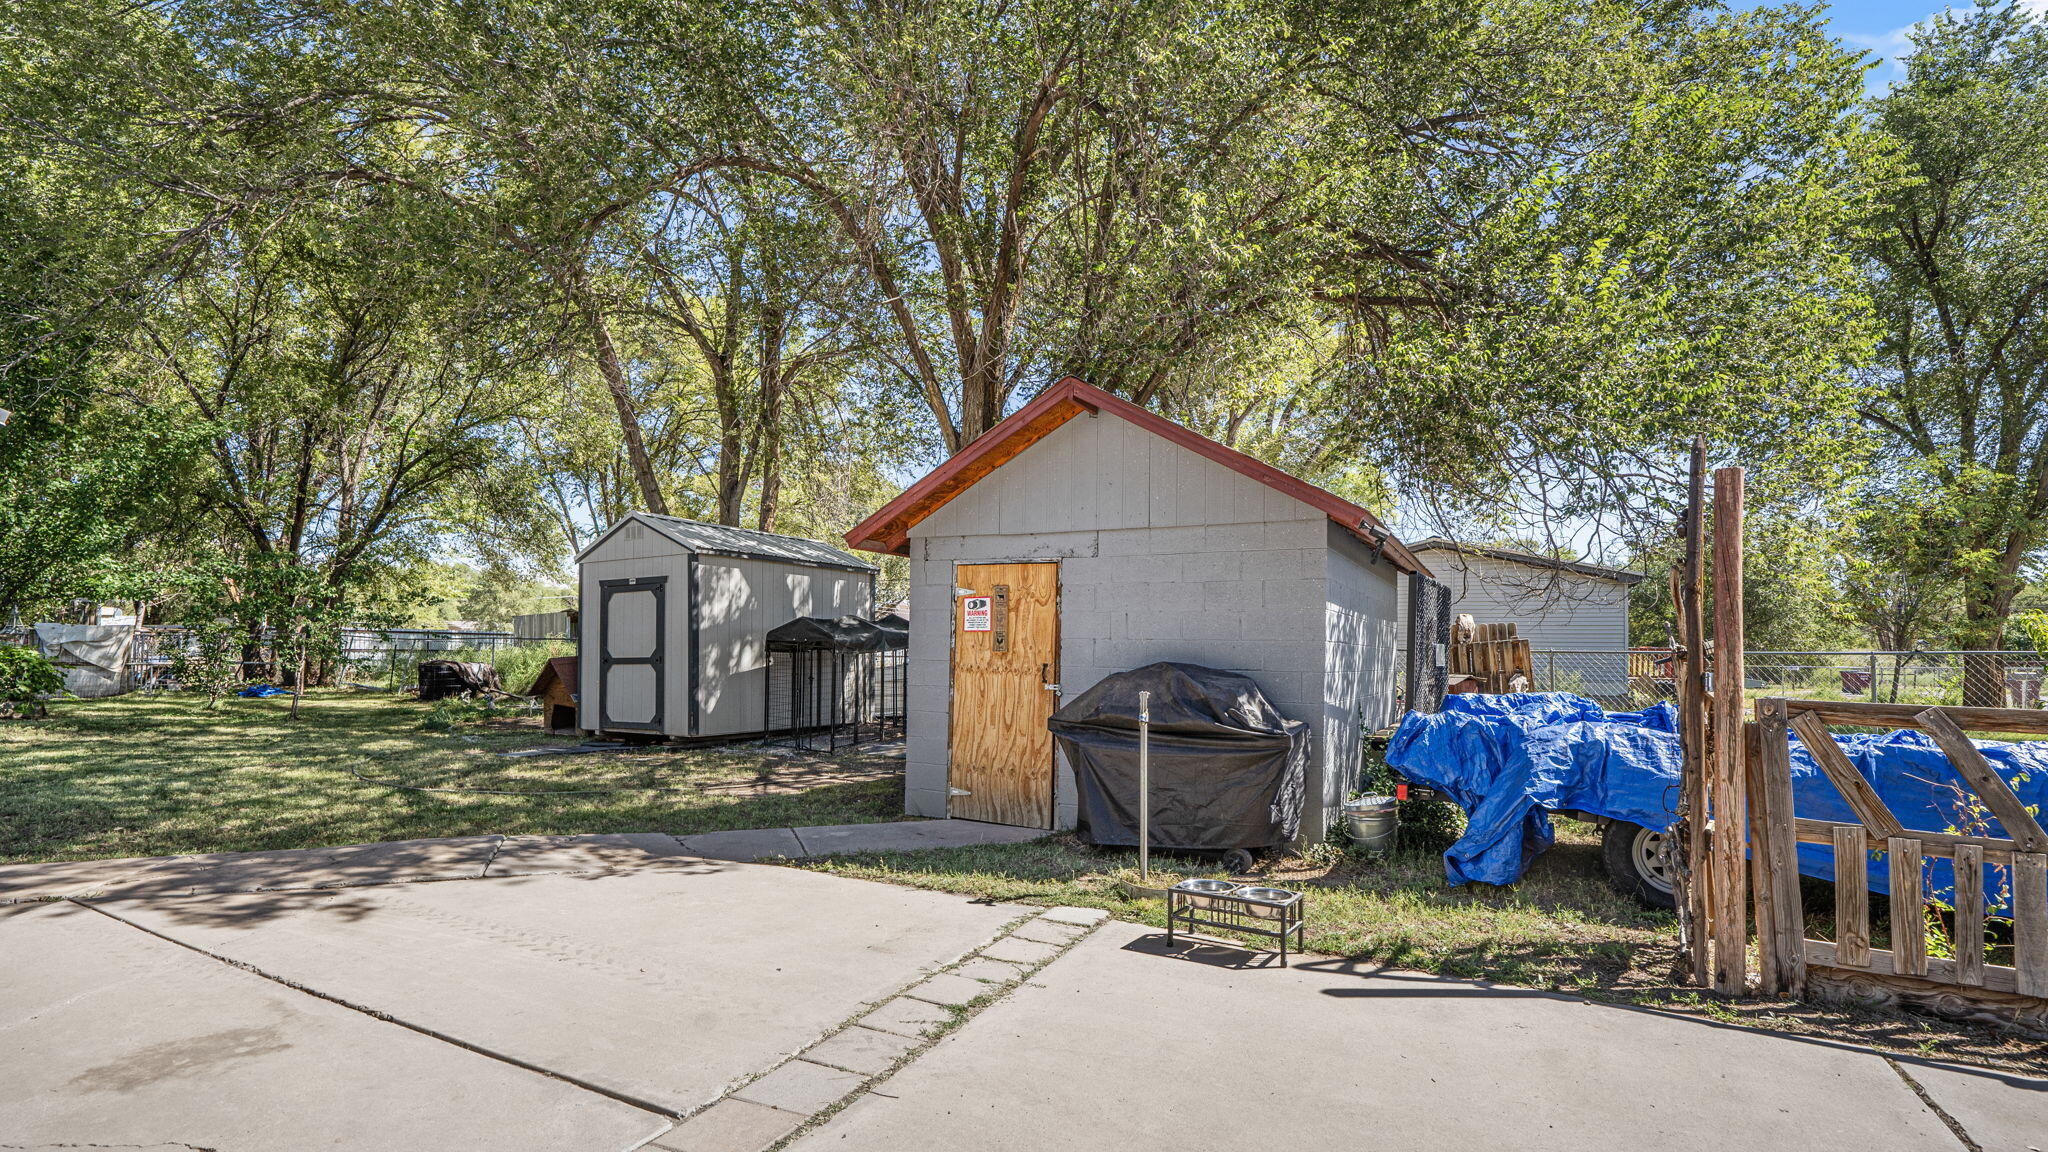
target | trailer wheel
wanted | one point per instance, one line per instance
(1638, 860)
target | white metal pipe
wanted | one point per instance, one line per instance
(1144, 786)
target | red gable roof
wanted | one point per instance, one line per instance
(889, 529)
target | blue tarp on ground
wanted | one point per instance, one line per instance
(1511, 760)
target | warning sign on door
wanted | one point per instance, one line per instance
(976, 613)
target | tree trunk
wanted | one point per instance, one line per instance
(731, 481)
(774, 329)
(614, 373)
(1983, 672)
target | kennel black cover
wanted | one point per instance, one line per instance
(1228, 771)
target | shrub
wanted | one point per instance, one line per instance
(26, 677)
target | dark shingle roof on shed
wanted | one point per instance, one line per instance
(726, 540)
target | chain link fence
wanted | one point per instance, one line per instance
(1624, 680)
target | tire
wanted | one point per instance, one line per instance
(1237, 862)
(1634, 858)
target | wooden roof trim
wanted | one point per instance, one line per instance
(888, 530)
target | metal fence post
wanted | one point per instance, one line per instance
(1144, 787)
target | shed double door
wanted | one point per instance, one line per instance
(1003, 692)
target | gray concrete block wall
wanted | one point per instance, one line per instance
(928, 689)
(1362, 641)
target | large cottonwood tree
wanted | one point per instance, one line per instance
(1958, 259)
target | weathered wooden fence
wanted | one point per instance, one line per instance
(1737, 842)
(2017, 862)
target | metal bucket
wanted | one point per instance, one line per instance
(1374, 822)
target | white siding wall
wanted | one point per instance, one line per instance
(738, 601)
(1549, 608)
(1164, 555)
(1364, 636)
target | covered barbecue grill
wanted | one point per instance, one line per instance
(1228, 771)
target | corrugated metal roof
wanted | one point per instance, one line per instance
(725, 540)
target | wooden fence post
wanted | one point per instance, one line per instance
(1728, 871)
(1688, 590)
(1780, 912)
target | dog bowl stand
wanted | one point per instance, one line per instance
(1275, 918)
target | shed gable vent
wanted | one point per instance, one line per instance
(632, 532)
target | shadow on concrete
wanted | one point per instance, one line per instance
(1211, 952)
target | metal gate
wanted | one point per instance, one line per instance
(1429, 639)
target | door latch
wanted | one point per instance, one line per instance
(1045, 670)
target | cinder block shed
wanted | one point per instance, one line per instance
(1084, 536)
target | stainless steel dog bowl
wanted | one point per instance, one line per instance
(1268, 899)
(1204, 891)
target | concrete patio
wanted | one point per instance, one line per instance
(619, 992)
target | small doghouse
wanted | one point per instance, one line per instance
(555, 687)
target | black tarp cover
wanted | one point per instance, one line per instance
(1228, 771)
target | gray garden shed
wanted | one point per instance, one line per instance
(675, 616)
(1084, 536)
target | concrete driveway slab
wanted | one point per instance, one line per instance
(907, 1017)
(110, 1037)
(546, 855)
(801, 1087)
(909, 835)
(345, 866)
(2001, 1112)
(746, 844)
(665, 985)
(951, 991)
(859, 1049)
(20, 882)
(730, 1126)
(1121, 1044)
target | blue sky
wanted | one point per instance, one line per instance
(1879, 27)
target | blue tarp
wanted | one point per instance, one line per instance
(262, 690)
(1511, 760)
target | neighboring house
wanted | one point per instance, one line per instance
(1574, 614)
(1084, 536)
(1556, 604)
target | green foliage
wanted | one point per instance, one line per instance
(26, 678)
(333, 292)
(2031, 630)
(1430, 827)
(1958, 256)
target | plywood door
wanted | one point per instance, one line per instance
(1002, 751)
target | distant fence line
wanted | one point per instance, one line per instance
(389, 655)
(1628, 679)
(1634, 678)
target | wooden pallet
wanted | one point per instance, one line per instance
(1493, 656)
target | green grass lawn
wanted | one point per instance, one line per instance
(155, 775)
(1562, 927)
